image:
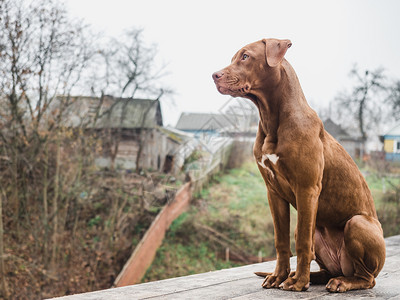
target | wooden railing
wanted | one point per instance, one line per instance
(143, 255)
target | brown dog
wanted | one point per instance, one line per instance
(306, 167)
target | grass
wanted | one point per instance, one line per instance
(386, 193)
(381, 187)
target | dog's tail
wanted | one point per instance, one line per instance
(262, 274)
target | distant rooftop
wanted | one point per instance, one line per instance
(335, 130)
(202, 121)
(114, 112)
(394, 131)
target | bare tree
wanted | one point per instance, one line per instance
(393, 100)
(4, 290)
(42, 54)
(363, 105)
(45, 166)
(129, 68)
(129, 71)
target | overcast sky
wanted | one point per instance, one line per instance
(197, 38)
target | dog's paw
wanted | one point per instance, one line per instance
(342, 284)
(293, 284)
(337, 285)
(273, 281)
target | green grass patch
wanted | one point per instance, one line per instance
(381, 186)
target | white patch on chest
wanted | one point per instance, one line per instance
(272, 157)
(262, 164)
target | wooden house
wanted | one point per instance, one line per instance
(128, 128)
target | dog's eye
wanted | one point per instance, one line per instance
(245, 56)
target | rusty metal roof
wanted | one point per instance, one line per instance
(112, 112)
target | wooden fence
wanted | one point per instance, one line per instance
(202, 170)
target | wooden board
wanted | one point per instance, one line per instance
(241, 283)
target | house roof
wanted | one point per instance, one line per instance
(210, 122)
(202, 121)
(394, 131)
(111, 112)
(176, 135)
(335, 130)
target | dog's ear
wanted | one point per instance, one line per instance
(275, 50)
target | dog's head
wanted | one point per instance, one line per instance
(253, 67)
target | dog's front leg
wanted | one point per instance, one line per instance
(281, 218)
(307, 206)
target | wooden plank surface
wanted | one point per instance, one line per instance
(241, 283)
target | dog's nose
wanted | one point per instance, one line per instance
(217, 75)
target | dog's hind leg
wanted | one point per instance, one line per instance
(365, 249)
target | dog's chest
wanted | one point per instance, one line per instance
(269, 162)
(268, 158)
(271, 171)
